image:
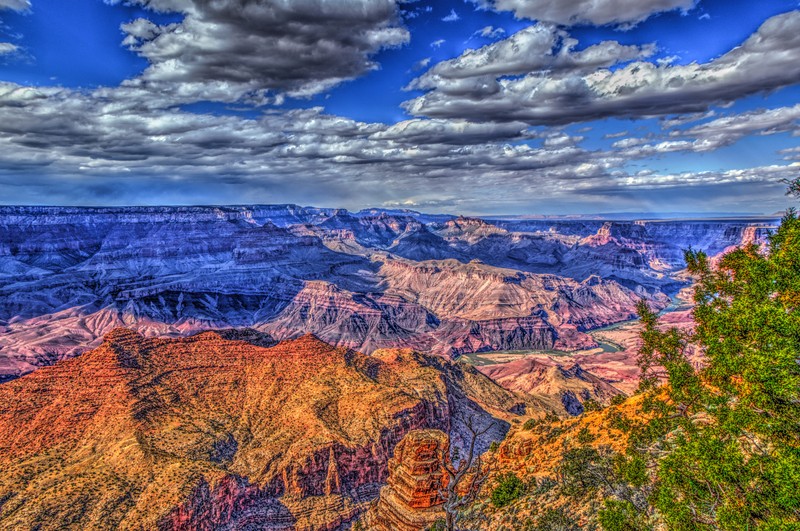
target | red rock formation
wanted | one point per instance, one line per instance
(212, 433)
(412, 498)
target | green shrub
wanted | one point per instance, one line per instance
(585, 436)
(618, 400)
(556, 520)
(592, 405)
(619, 515)
(509, 488)
(531, 424)
(545, 485)
(551, 417)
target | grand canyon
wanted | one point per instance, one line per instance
(399, 265)
(285, 367)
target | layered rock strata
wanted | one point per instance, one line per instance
(413, 496)
(367, 280)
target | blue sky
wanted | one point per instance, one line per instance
(476, 106)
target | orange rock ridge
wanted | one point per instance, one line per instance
(213, 433)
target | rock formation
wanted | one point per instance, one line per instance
(412, 498)
(570, 386)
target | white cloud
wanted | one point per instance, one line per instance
(540, 48)
(452, 17)
(597, 12)
(134, 144)
(489, 32)
(713, 135)
(15, 5)
(421, 64)
(235, 49)
(577, 86)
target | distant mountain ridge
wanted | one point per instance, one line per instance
(366, 280)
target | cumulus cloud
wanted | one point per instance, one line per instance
(58, 145)
(656, 181)
(457, 132)
(7, 48)
(727, 130)
(93, 142)
(541, 48)
(489, 32)
(565, 93)
(790, 153)
(718, 133)
(686, 119)
(421, 64)
(596, 12)
(230, 49)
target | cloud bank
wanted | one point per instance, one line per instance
(488, 131)
(561, 87)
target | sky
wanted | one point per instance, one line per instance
(491, 107)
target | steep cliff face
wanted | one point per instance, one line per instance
(412, 498)
(212, 433)
(478, 293)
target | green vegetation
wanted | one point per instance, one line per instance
(724, 437)
(617, 400)
(509, 488)
(713, 439)
(592, 405)
(531, 424)
(555, 520)
(585, 436)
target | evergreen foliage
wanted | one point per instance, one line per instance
(725, 436)
(508, 489)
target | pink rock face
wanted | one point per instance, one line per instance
(326, 485)
(416, 471)
(232, 504)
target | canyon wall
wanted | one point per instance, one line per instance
(366, 280)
